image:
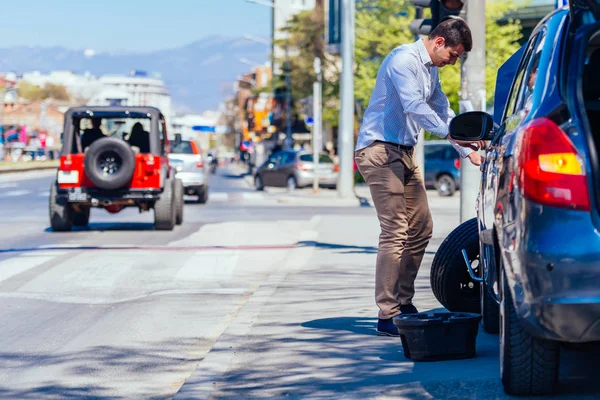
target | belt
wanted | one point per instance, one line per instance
(399, 146)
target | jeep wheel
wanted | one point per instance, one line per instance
(164, 209)
(203, 195)
(528, 366)
(81, 218)
(61, 213)
(109, 163)
(178, 201)
(450, 280)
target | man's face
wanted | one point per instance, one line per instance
(444, 55)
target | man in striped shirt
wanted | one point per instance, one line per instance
(407, 97)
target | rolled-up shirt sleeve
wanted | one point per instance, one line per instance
(403, 74)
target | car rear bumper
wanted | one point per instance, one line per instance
(191, 179)
(90, 196)
(558, 276)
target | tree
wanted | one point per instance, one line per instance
(33, 92)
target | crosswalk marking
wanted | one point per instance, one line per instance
(15, 193)
(218, 196)
(16, 265)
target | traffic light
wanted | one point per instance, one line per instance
(440, 10)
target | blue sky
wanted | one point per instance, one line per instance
(138, 25)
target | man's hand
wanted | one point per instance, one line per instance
(476, 158)
(475, 145)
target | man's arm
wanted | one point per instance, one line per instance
(403, 74)
(440, 104)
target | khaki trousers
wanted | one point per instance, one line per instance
(400, 200)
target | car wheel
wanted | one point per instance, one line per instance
(81, 218)
(178, 202)
(291, 183)
(258, 183)
(445, 185)
(60, 211)
(109, 163)
(450, 280)
(203, 195)
(164, 209)
(528, 366)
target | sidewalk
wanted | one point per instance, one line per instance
(309, 330)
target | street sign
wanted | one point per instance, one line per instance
(334, 27)
(203, 128)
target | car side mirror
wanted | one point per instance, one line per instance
(472, 126)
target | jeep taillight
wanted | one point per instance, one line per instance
(551, 172)
(66, 163)
(152, 163)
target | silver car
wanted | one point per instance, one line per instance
(191, 168)
(294, 169)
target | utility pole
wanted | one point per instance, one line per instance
(473, 98)
(289, 141)
(345, 186)
(317, 124)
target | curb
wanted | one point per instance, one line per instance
(17, 170)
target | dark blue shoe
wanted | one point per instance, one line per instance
(408, 309)
(386, 327)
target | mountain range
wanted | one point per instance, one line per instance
(199, 75)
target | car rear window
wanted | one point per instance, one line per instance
(323, 158)
(183, 147)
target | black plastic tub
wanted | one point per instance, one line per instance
(438, 336)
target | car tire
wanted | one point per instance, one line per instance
(164, 208)
(178, 202)
(528, 365)
(291, 183)
(203, 195)
(109, 163)
(450, 280)
(258, 183)
(445, 185)
(60, 212)
(81, 218)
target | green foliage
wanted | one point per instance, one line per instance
(382, 25)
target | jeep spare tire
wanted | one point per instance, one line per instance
(109, 163)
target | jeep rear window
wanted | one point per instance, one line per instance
(134, 131)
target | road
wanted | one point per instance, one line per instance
(250, 297)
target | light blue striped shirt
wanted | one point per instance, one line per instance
(407, 96)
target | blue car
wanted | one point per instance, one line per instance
(533, 250)
(442, 167)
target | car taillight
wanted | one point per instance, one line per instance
(336, 168)
(457, 163)
(302, 166)
(200, 164)
(66, 163)
(550, 170)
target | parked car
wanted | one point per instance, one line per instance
(532, 250)
(442, 167)
(294, 169)
(112, 158)
(191, 168)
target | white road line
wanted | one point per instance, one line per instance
(16, 265)
(7, 185)
(218, 196)
(15, 193)
(45, 194)
(253, 196)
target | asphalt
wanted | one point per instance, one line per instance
(256, 295)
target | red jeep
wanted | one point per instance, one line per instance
(112, 158)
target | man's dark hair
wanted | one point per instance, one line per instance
(455, 31)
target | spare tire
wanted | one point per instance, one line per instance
(109, 163)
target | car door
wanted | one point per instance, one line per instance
(496, 178)
(285, 168)
(268, 173)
